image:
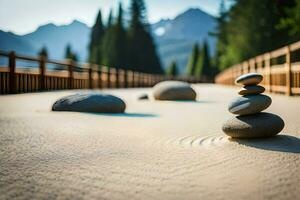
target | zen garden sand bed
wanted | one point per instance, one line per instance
(156, 150)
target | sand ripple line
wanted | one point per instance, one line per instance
(196, 141)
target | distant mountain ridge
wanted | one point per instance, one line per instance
(192, 24)
(174, 38)
(54, 37)
(10, 41)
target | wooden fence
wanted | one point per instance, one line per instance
(43, 74)
(280, 68)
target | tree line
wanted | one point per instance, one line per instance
(246, 29)
(250, 28)
(121, 46)
(199, 64)
(129, 47)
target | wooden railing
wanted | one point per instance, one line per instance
(40, 76)
(280, 68)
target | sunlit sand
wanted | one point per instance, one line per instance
(156, 150)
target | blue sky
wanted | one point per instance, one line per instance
(23, 16)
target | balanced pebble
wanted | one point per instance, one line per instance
(251, 89)
(249, 79)
(253, 126)
(249, 104)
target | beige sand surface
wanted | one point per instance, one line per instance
(158, 150)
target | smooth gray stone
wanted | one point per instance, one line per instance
(253, 126)
(173, 90)
(249, 79)
(90, 102)
(251, 89)
(249, 104)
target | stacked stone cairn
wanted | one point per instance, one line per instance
(250, 121)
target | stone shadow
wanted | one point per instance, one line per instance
(188, 101)
(132, 115)
(281, 143)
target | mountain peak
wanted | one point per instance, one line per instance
(194, 12)
(44, 28)
(51, 26)
(77, 22)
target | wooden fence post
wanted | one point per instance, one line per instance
(252, 65)
(148, 80)
(125, 79)
(71, 73)
(267, 60)
(99, 70)
(12, 73)
(108, 77)
(141, 79)
(133, 79)
(42, 73)
(90, 76)
(241, 69)
(153, 80)
(288, 72)
(117, 78)
(137, 79)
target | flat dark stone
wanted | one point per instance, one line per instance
(251, 89)
(90, 102)
(143, 97)
(249, 104)
(249, 79)
(173, 90)
(253, 126)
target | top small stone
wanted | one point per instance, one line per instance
(249, 79)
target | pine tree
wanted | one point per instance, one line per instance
(221, 34)
(204, 68)
(68, 52)
(250, 29)
(95, 47)
(143, 56)
(115, 43)
(43, 52)
(108, 48)
(110, 19)
(172, 69)
(121, 41)
(75, 57)
(193, 60)
(292, 20)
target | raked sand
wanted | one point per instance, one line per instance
(157, 150)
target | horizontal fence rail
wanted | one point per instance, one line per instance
(280, 68)
(42, 74)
